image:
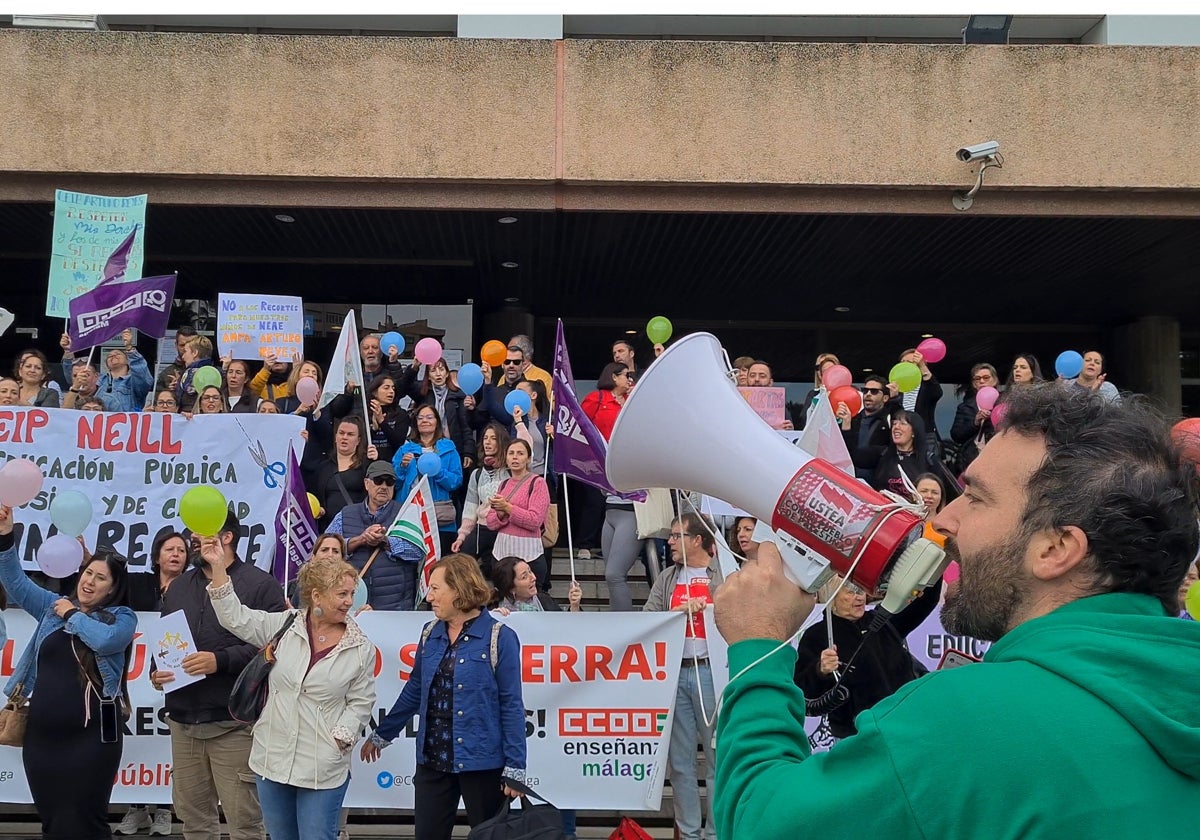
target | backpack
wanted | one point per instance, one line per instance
(494, 648)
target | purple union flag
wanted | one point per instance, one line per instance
(106, 310)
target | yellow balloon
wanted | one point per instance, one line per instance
(315, 504)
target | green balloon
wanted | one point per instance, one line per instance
(658, 330)
(206, 377)
(203, 510)
(1192, 601)
(907, 377)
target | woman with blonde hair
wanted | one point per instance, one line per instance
(322, 692)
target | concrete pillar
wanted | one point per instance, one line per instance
(1147, 356)
(507, 322)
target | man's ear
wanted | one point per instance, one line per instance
(1056, 552)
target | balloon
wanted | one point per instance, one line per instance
(392, 338)
(206, 377)
(307, 391)
(1069, 364)
(1192, 600)
(658, 330)
(952, 572)
(360, 596)
(203, 510)
(430, 464)
(907, 377)
(932, 349)
(836, 376)
(470, 378)
(494, 352)
(428, 351)
(985, 398)
(60, 556)
(20, 481)
(847, 394)
(1186, 435)
(517, 399)
(998, 415)
(71, 512)
(315, 504)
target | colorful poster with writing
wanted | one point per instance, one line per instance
(768, 403)
(87, 229)
(258, 326)
(135, 467)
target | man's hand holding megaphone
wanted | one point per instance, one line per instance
(759, 602)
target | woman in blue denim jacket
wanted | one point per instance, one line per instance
(77, 679)
(466, 687)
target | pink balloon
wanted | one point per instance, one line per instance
(836, 376)
(307, 390)
(986, 398)
(428, 351)
(932, 349)
(998, 415)
(60, 556)
(20, 481)
(952, 572)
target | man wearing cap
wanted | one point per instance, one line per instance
(210, 752)
(387, 564)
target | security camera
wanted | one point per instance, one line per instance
(969, 154)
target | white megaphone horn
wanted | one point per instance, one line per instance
(686, 425)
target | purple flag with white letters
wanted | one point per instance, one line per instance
(118, 260)
(580, 450)
(295, 529)
(106, 310)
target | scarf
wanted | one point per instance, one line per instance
(439, 403)
(513, 605)
(490, 461)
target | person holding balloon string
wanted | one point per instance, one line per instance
(75, 667)
(430, 453)
(196, 355)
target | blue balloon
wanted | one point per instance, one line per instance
(517, 399)
(390, 338)
(360, 595)
(1069, 364)
(470, 378)
(429, 464)
(71, 512)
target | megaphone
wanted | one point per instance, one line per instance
(686, 425)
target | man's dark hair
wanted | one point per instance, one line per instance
(232, 526)
(702, 527)
(623, 341)
(1112, 470)
(876, 377)
(186, 330)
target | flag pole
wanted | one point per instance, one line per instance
(287, 536)
(570, 534)
(362, 376)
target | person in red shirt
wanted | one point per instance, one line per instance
(604, 404)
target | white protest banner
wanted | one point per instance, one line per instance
(257, 326)
(598, 702)
(87, 229)
(135, 466)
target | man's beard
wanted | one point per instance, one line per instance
(988, 593)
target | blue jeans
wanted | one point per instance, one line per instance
(687, 730)
(296, 813)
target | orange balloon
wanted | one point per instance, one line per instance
(494, 352)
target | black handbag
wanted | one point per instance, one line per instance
(249, 695)
(532, 822)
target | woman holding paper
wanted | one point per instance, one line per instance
(322, 692)
(75, 667)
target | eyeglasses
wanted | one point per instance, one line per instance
(872, 390)
(983, 377)
(165, 404)
(513, 362)
(383, 479)
(624, 373)
(211, 397)
(674, 536)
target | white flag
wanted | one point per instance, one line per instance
(822, 436)
(417, 523)
(345, 368)
(6, 320)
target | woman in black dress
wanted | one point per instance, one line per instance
(75, 669)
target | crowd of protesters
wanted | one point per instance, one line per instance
(493, 490)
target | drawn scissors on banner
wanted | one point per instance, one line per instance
(260, 458)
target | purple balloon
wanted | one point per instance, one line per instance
(60, 556)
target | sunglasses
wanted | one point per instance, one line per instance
(383, 479)
(512, 362)
(872, 390)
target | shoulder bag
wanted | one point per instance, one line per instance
(249, 695)
(532, 822)
(13, 718)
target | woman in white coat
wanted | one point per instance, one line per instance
(322, 691)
